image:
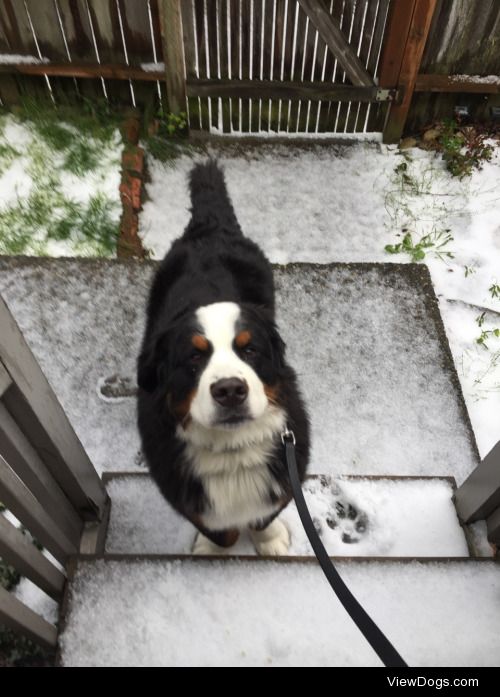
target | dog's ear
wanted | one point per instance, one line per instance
(152, 361)
(278, 347)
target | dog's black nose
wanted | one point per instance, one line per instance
(229, 392)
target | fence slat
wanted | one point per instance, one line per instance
(17, 550)
(35, 408)
(479, 495)
(174, 55)
(28, 466)
(20, 618)
(5, 380)
(493, 527)
(21, 502)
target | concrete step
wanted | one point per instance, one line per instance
(366, 517)
(253, 612)
(366, 339)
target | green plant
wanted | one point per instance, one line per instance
(463, 148)
(495, 290)
(486, 334)
(434, 242)
(175, 124)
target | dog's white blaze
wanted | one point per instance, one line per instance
(231, 462)
(218, 322)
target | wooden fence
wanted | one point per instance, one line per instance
(289, 66)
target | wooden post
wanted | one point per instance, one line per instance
(173, 51)
(479, 496)
(408, 29)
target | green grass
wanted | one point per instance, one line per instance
(63, 142)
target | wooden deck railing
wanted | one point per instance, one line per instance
(46, 481)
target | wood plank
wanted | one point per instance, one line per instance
(5, 380)
(28, 466)
(21, 502)
(34, 406)
(173, 48)
(493, 528)
(449, 83)
(337, 43)
(23, 620)
(93, 539)
(414, 49)
(22, 554)
(479, 496)
(115, 71)
(396, 36)
(272, 89)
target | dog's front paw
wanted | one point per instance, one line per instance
(202, 545)
(273, 541)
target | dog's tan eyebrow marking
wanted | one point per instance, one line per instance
(243, 338)
(200, 342)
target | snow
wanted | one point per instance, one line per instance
(478, 368)
(13, 58)
(478, 79)
(398, 518)
(343, 203)
(153, 67)
(38, 601)
(382, 398)
(289, 201)
(244, 613)
(370, 137)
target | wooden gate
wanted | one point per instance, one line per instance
(297, 66)
(291, 67)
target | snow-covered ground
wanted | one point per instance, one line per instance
(234, 613)
(355, 517)
(58, 201)
(346, 203)
(382, 399)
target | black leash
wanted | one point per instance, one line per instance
(377, 640)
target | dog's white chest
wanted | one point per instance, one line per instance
(237, 484)
(232, 467)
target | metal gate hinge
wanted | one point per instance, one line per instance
(385, 95)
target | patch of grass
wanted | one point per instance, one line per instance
(418, 206)
(46, 214)
(7, 156)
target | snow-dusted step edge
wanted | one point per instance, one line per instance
(355, 516)
(198, 612)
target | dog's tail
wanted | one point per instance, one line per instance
(209, 197)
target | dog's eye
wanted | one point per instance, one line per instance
(195, 357)
(249, 351)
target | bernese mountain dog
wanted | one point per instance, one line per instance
(215, 391)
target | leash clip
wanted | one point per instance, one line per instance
(288, 437)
